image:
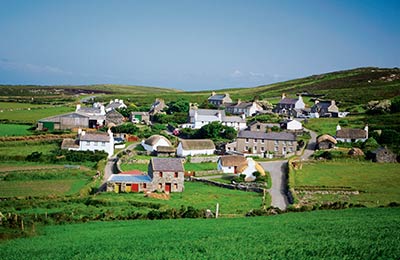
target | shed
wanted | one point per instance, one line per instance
(325, 142)
(129, 183)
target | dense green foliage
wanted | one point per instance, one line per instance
(214, 131)
(14, 130)
(345, 234)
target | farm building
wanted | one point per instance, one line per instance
(97, 141)
(127, 182)
(154, 141)
(383, 155)
(325, 142)
(219, 99)
(195, 147)
(167, 174)
(348, 135)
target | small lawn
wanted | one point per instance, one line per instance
(134, 166)
(378, 183)
(208, 166)
(31, 116)
(26, 148)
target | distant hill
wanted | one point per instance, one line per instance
(349, 87)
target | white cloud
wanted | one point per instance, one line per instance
(236, 73)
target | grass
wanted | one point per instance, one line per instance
(344, 234)
(134, 166)
(40, 187)
(15, 105)
(200, 196)
(33, 115)
(208, 166)
(24, 149)
(14, 130)
(378, 183)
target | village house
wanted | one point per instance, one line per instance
(164, 175)
(246, 108)
(194, 147)
(167, 174)
(91, 141)
(158, 106)
(202, 117)
(290, 106)
(219, 99)
(138, 117)
(235, 164)
(325, 142)
(278, 144)
(154, 142)
(115, 104)
(324, 109)
(349, 135)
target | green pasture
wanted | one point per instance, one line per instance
(33, 115)
(341, 234)
(378, 183)
(206, 166)
(26, 148)
(134, 166)
(14, 130)
(18, 105)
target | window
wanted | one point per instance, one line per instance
(258, 127)
(160, 186)
(262, 141)
(290, 142)
(247, 140)
(87, 143)
(175, 186)
(276, 142)
(255, 149)
(103, 143)
(144, 185)
(247, 148)
(175, 175)
(255, 140)
(290, 149)
(276, 148)
(160, 174)
(262, 149)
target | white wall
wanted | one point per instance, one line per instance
(107, 147)
(181, 152)
(225, 169)
(150, 148)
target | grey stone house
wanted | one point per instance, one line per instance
(324, 109)
(383, 155)
(280, 144)
(290, 106)
(219, 99)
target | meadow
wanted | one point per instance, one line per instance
(33, 115)
(377, 183)
(14, 130)
(341, 234)
(26, 148)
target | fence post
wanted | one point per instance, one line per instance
(217, 211)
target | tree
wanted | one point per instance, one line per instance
(370, 144)
(395, 107)
(181, 105)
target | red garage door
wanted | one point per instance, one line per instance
(135, 187)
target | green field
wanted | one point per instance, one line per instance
(14, 130)
(344, 234)
(16, 105)
(134, 166)
(33, 115)
(208, 166)
(26, 148)
(378, 183)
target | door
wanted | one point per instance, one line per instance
(135, 187)
(138, 117)
(167, 187)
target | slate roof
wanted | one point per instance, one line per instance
(90, 110)
(236, 119)
(206, 112)
(114, 105)
(240, 105)
(217, 97)
(268, 136)
(58, 118)
(288, 101)
(167, 164)
(233, 160)
(115, 117)
(129, 178)
(97, 137)
(349, 133)
(197, 144)
(152, 140)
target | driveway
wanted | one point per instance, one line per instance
(310, 146)
(278, 191)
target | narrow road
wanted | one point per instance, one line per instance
(310, 146)
(278, 191)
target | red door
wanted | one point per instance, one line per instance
(167, 187)
(135, 187)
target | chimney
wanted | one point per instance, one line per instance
(219, 114)
(316, 101)
(102, 110)
(195, 115)
(243, 116)
(78, 107)
(111, 101)
(83, 133)
(283, 95)
(226, 94)
(366, 130)
(239, 101)
(116, 100)
(213, 93)
(338, 127)
(333, 102)
(79, 131)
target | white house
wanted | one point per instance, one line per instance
(96, 141)
(349, 135)
(235, 164)
(195, 147)
(246, 108)
(292, 125)
(154, 141)
(115, 104)
(202, 117)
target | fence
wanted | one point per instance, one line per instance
(229, 186)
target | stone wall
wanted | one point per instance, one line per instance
(204, 159)
(247, 187)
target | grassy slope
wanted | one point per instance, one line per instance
(14, 130)
(346, 234)
(378, 182)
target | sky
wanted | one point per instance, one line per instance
(192, 45)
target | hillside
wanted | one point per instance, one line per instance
(341, 234)
(350, 87)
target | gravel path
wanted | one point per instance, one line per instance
(278, 191)
(310, 146)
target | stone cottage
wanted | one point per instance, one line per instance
(383, 155)
(325, 142)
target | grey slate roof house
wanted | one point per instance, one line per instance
(219, 99)
(290, 106)
(324, 109)
(280, 144)
(239, 108)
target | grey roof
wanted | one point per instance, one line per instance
(129, 178)
(206, 112)
(268, 136)
(167, 164)
(89, 110)
(288, 101)
(58, 117)
(99, 137)
(114, 105)
(236, 119)
(217, 97)
(240, 105)
(140, 113)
